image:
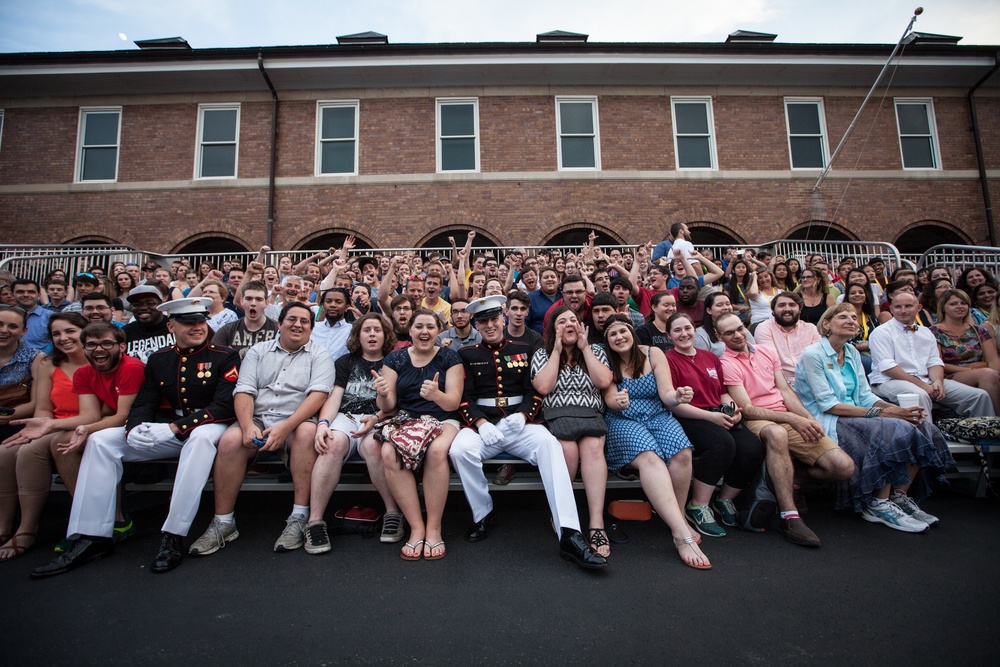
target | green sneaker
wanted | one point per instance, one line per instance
(726, 511)
(123, 529)
(700, 516)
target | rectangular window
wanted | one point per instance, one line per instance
(458, 135)
(579, 138)
(917, 134)
(337, 133)
(218, 140)
(694, 134)
(806, 126)
(97, 145)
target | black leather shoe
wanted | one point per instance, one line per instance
(573, 547)
(170, 555)
(480, 529)
(84, 550)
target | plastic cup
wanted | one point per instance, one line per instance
(908, 400)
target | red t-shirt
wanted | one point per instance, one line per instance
(702, 372)
(126, 379)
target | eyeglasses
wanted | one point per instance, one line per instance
(90, 346)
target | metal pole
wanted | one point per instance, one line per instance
(826, 170)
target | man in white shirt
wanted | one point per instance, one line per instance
(905, 360)
(333, 331)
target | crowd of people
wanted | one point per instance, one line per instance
(701, 375)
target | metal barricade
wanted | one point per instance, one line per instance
(960, 257)
(34, 262)
(836, 251)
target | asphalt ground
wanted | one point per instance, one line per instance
(870, 595)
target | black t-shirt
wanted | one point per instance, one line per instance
(531, 337)
(648, 334)
(142, 341)
(354, 374)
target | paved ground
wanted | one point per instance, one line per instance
(869, 596)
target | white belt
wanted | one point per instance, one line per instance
(499, 401)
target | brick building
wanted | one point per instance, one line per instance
(169, 148)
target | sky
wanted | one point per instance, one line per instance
(103, 25)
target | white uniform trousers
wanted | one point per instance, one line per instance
(536, 445)
(965, 400)
(93, 510)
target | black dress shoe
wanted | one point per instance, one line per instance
(84, 550)
(573, 547)
(170, 555)
(480, 529)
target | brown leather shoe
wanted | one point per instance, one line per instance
(796, 531)
(505, 473)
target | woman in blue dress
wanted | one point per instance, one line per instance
(644, 435)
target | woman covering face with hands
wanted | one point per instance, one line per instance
(571, 374)
(423, 379)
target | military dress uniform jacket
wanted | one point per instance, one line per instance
(187, 387)
(498, 372)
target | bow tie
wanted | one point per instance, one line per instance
(910, 327)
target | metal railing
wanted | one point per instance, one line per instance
(34, 262)
(961, 256)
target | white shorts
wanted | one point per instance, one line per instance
(347, 424)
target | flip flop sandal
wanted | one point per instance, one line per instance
(429, 548)
(417, 549)
(689, 542)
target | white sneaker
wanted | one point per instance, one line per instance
(215, 538)
(293, 536)
(886, 512)
(909, 505)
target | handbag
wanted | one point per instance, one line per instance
(410, 436)
(15, 393)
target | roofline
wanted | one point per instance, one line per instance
(741, 49)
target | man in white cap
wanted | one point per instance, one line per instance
(149, 332)
(497, 404)
(196, 379)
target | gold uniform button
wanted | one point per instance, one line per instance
(195, 420)
(183, 390)
(183, 368)
(183, 379)
(184, 359)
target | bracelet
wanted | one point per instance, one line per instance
(873, 412)
(323, 421)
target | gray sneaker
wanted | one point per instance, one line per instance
(888, 513)
(215, 538)
(293, 536)
(909, 505)
(392, 527)
(317, 538)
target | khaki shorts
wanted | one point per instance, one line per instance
(807, 452)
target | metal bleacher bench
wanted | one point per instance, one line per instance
(354, 476)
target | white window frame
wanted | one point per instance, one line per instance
(1, 129)
(199, 143)
(713, 156)
(326, 104)
(80, 131)
(456, 101)
(824, 144)
(592, 99)
(931, 124)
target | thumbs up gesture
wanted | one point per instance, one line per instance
(429, 388)
(381, 384)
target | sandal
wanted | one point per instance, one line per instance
(429, 549)
(689, 542)
(599, 541)
(13, 548)
(417, 551)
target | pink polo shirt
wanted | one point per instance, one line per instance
(788, 345)
(756, 374)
